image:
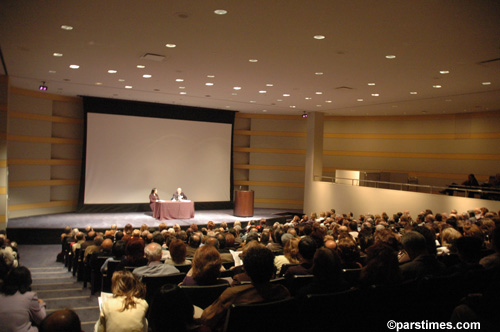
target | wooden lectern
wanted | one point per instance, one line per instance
(243, 203)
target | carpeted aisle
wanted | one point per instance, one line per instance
(56, 286)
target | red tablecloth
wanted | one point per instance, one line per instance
(173, 210)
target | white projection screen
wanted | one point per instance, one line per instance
(127, 156)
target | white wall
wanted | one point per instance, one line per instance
(363, 200)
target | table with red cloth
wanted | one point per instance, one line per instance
(173, 210)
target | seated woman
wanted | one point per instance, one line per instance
(20, 309)
(134, 254)
(206, 268)
(259, 264)
(178, 251)
(290, 254)
(126, 310)
(153, 197)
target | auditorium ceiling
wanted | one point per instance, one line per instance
(343, 58)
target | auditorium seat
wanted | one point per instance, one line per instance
(154, 283)
(296, 282)
(203, 296)
(277, 316)
(183, 268)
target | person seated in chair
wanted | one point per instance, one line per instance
(155, 267)
(179, 195)
(259, 265)
(421, 263)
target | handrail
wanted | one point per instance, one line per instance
(402, 186)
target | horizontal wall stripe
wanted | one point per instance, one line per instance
(416, 136)
(416, 117)
(268, 184)
(44, 162)
(271, 167)
(37, 183)
(39, 139)
(3, 163)
(278, 201)
(458, 156)
(3, 190)
(33, 116)
(29, 206)
(269, 133)
(268, 116)
(44, 95)
(374, 136)
(264, 150)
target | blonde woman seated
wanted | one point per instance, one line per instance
(126, 310)
(290, 254)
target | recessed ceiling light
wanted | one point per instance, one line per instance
(182, 87)
(253, 101)
(286, 95)
(444, 72)
(128, 86)
(292, 106)
(371, 84)
(253, 60)
(279, 99)
(170, 45)
(359, 99)
(74, 66)
(413, 92)
(237, 88)
(98, 83)
(57, 54)
(269, 84)
(436, 86)
(448, 100)
(234, 94)
(328, 101)
(308, 98)
(52, 71)
(112, 71)
(146, 76)
(390, 56)
(210, 76)
(182, 93)
(141, 66)
(220, 11)
(121, 80)
(179, 80)
(319, 105)
(262, 91)
(319, 37)
(318, 92)
(66, 27)
(319, 73)
(209, 84)
(486, 83)
(375, 95)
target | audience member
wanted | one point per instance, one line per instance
(126, 310)
(64, 320)
(154, 268)
(205, 269)
(20, 309)
(421, 262)
(177, 249)
(307, 249)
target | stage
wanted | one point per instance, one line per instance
(46, 229)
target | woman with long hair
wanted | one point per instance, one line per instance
(126, 310)
(205, 268)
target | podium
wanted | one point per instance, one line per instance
(243, 203)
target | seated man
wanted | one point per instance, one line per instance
(179, 195)
(421, 263)
(155, 267)
(259, 265)
(307, 249)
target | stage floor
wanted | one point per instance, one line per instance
(136, 219)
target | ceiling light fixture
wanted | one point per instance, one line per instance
(319, 37)
(220, 11)
(182, 93)
(269, 84)
(211, 76)
(237, 88)
(375, 95)
(43, 87)
(253, 60)
(319, 73)
(444, 72)
(141, 66)
(359, 99)
(74, 66)
(262, 91)
(112, 71)
(67, 27)
(371, 84)
(170, 45)
(328, 101)
(179, 80)
(209, 84)
(413, 92)
(486, 83)
(57, 54)
(319, 92)
(304, 114)
(146, 76)
(286, 95)
(128, 86)
(390, 56)
(436, 86)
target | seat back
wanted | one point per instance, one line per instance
(298, 281)
(203, 296)
(183, 268)
(284, 268)
(351, 276)
(154, 283)
(276, 316)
